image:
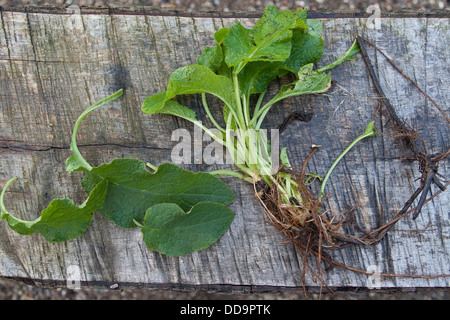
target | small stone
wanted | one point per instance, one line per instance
(114, 286)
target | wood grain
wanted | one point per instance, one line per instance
(52, 66)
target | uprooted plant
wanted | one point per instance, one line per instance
(178, 211)
(241, 66)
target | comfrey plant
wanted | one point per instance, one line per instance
(244, 62)
(179, 211)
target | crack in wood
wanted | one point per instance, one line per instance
(2, 58)
(13, 145)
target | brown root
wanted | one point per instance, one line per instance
(301, 223)
(310, 230)
(312, 233)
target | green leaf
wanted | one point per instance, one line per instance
(306, 48)
(256, 76)
(76, 162)
(212, 57)
(189, 80)
(368, 132)
(348, 56)
(220, 35)
(238, 45)
(269, 40)
(200, 79)
(132, 189)
(301, 15)
(169, 230)
(62, 220)
(284, 158)
(309, 82)
(156, 104)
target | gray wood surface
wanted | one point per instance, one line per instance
(52, 66)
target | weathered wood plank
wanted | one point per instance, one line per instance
(53, 66)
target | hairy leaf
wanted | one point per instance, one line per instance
(157, 104)
(132, 189)
(169, 230)
(200, 79)
(348, 56)
(306, 48)
(269, 40)
(256, 76)
(62, 220)
(188, 80)
(309, 82)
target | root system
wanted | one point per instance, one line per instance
(315, 231)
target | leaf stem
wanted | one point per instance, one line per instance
(73, 144)
(209, 132)
(229, 144)
(154, 168)
(259, 102)
(137, 223)
(230, 173)
(208, 112)
(246, 108)
(262, 114)
(367, 133)
(3, 210)
(241, 119)
(4, 214)
(354, 49)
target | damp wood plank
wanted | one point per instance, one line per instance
(54, 65)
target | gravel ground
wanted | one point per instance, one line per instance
(249, 5)
(16, 290)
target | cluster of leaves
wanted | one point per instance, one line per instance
(178, 211)
(243, 63)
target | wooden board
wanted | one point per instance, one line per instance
(52, 66)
